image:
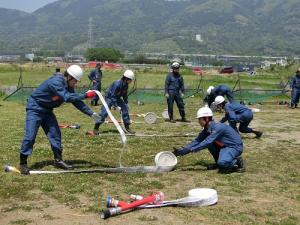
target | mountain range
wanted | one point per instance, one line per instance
(245, 27)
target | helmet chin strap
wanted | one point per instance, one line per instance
(68, 79)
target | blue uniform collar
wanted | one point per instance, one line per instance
(210, 126)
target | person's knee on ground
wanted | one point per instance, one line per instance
(228, 167)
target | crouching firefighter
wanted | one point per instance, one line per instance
(116, 97)
(220, 90)
(51, 94)
(223, 142)
(236, 113)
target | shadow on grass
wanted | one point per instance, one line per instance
(201, 165)
(77, 164)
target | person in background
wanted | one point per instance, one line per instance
(295, 86)
(116, 97)
(223, 143)
(220, 90)
(174, 91)
(96, 78)
(236, 113)
(51, 94)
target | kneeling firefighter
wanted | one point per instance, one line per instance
(223, 142)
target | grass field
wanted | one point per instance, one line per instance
(268, 193)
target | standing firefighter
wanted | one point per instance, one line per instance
(224, 144)
(295, 85)
(237, 113)
(95, 77)
(116, 97)
(221, 90)
(174, 91)
(39, 112)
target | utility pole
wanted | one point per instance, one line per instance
(90, 33)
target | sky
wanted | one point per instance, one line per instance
(24, 5)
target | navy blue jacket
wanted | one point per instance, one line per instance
(117, 90)
(221, 134)
(235, 112)
(52, 93)
(221, 90)
(174, 83)
(295, 82)
(95, 75)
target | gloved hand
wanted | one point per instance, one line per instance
(96, 118)
(181, 151)
(90, 94)
(167, 95)
(176, 151)
(182, 94)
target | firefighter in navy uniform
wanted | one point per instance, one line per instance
(117, 97)
(96, 78)
(295, 85)
(223, 142)
(237, 113)
(220, 90)
(53, 92)
(174, 91)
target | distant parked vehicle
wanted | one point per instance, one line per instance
(227, 70)
(197, 70)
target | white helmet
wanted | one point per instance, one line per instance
(175, 65)
(219, 100)
(129, 74)
(204, 112)
(209, 89)
(75, 71)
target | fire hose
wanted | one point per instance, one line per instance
(197, 197)
(164, 162)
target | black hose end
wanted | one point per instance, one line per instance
(105, 214)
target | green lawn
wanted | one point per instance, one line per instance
(268, 193)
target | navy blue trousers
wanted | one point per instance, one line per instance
(48, 122)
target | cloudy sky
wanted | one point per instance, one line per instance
(24, 5)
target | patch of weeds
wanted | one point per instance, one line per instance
(49, 217)
(22, 222)
(148, 218)
(47, 187)
(26, 208)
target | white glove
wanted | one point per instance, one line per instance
(182, 94)
(167, 95)
(96, 118)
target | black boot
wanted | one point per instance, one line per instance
(23, 164)
(258, 133)
(128, 130)
(240, 164)
(59, 163)
(212, 166)
(170, 120)
(228, 170)
(185, 120)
